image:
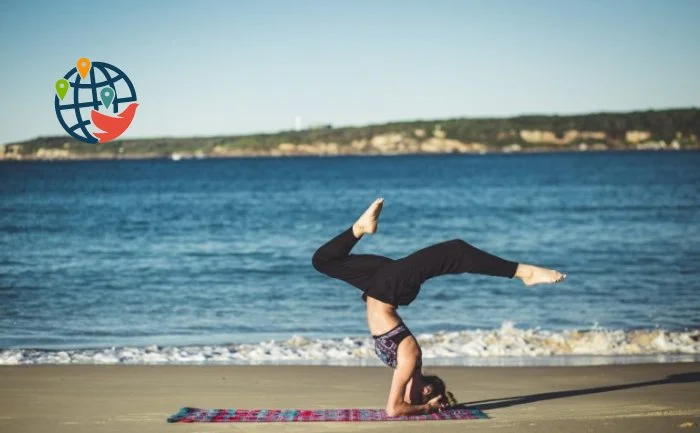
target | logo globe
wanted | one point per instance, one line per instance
(95, 102)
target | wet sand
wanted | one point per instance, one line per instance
(71, 398)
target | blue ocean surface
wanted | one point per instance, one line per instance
(97, 254)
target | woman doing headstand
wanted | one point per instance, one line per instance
(387, 284)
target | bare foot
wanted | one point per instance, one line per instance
(367, 223)
(532, 275)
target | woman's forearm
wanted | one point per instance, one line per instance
(403, 408)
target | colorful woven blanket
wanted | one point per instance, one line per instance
(191, 414)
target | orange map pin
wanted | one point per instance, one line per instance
(83, 65)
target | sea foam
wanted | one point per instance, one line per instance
(507, 345)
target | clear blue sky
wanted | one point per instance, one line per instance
(230, 67)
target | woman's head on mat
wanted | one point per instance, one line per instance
(430, 387)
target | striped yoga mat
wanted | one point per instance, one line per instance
(191, 414)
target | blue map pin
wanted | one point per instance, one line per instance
(107, 96)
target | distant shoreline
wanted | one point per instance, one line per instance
(671, 129)
(181, 157)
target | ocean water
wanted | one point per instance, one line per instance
(210, 260)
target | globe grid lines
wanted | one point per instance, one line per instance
(78, 116)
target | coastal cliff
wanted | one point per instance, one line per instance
(649, 130)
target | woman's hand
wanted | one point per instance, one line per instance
(434, 404)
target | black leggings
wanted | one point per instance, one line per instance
(397, 282)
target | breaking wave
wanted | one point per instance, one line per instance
(507, 345)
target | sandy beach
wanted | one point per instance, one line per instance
(120, 398)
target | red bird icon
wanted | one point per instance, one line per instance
(113, 126)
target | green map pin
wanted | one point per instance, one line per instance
(107, 96)
(62, 86)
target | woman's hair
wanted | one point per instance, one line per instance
(438, 388)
